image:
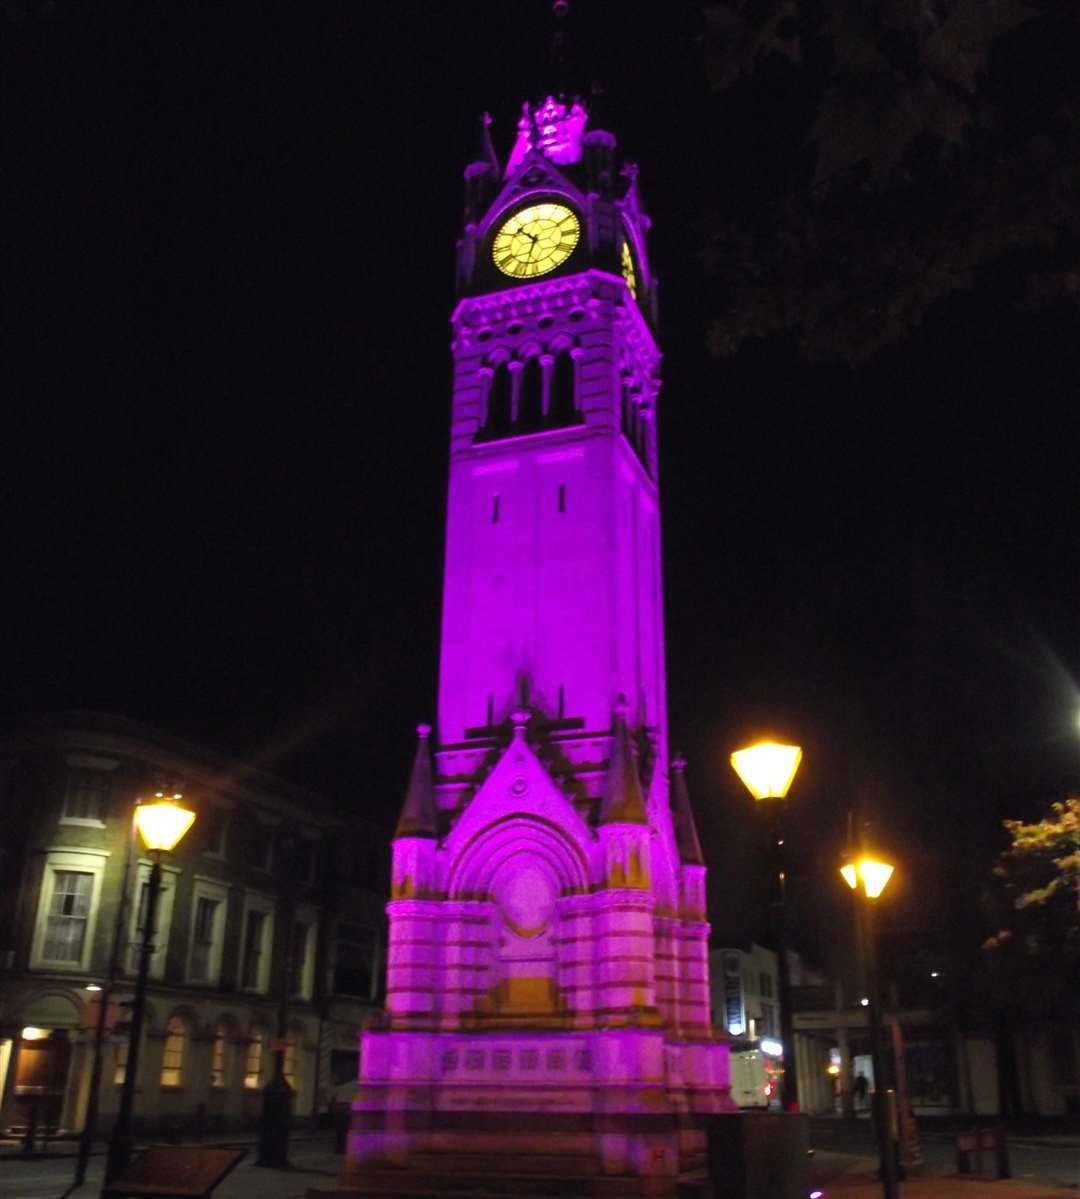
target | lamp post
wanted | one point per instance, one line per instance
(767, 770)
(161, 824)
(275, 1118)
(868, 877)
(105, 996)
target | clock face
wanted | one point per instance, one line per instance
(535, 240)
(628, 272)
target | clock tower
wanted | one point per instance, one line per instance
(547, 977)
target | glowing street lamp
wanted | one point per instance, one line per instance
(868, 877)
(161, 823)
(767, 770)
(873, 875)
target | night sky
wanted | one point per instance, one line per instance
(230, 264)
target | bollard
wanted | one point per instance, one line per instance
(965, 1147)
(994, 1141)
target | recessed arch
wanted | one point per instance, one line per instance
(473, 870)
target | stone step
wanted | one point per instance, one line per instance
(555, 1164)
(454, 1184)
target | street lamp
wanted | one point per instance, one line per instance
(161, 824)
(767, 770)
(868, 877)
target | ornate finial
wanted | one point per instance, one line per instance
(423, 731)
(519, 717)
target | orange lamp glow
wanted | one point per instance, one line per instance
(162, 823)
(767, 768)
(873, 874)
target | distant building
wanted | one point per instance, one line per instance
(236, 925)
(745, 995)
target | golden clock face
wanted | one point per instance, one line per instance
(628, 272)
(535, 240)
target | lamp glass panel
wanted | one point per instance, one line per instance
(850, 877)
(161, 825)
(875, 876)
(767, 768)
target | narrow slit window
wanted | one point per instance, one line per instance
(491, 711)
(562, 497)
(562, 701)
(494, 509)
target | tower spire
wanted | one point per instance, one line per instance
(418, 817)
(623, 802)
(686, 838)
(559, 58)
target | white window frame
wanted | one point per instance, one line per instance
(256, 902)
(76, 762)
(206, 888)
(306, 914)
(170, 877)
(83, 861)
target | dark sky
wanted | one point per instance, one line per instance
(231, 244)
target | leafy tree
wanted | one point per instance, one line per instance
(1048, 854)
(924, 145)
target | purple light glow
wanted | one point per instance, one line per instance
(548, 946)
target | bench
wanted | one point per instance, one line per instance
(187, 1172)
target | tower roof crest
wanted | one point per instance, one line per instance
(554, 128)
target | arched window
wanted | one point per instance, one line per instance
(120, 1065)
(253, 1058)
(172, 1059)
(289, 1066)
(562, 406)
(498, 404)
(530, 396)
(219, 1071)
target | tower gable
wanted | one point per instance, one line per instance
(535, 177)
(518, 786)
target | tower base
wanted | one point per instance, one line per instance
(616, 1112)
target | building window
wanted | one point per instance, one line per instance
(298, 951)
(307, 853)
(202, 939)
(139, 930)
(86, 798)
(260, 840)
(253, 1058)
(289, 1065)
(218, 1051)
(172, 1059)
(254, 927)
(120, 1066)
(354, 960)
(69, 914)
(210, 828)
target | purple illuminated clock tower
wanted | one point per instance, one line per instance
(547, 980)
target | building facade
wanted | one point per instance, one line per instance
(259, 897)
(547, 977)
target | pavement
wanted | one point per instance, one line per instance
(838, 1175)
(842, 1176)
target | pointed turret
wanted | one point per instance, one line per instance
(686, 838)
(418, 817)
(623, 802)
(485, 149)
